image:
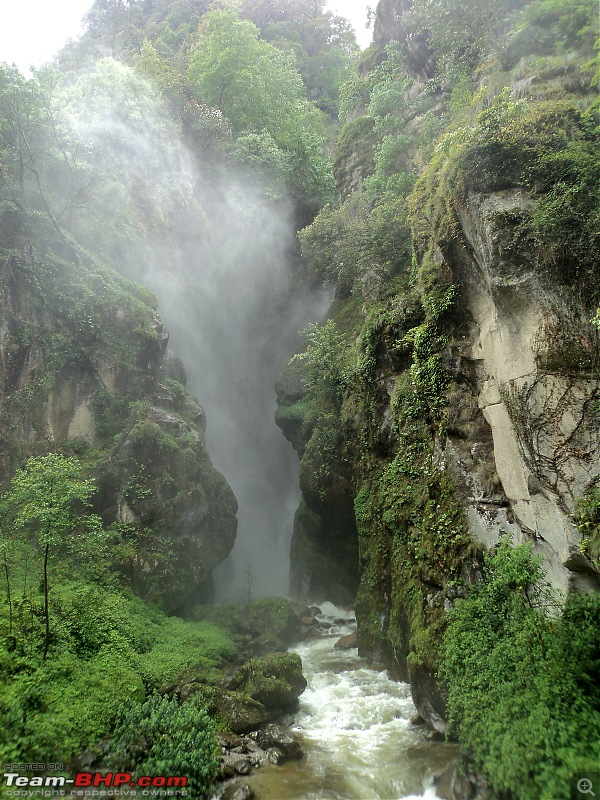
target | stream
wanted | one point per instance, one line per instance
(354, 727)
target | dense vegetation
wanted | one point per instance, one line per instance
(523, 676)
(474, 100)
(98, 159)
(99, 162)
(77, 647)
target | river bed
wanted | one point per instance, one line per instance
(354, 727)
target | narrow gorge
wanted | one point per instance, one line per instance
(299, 371)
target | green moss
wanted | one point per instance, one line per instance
(354, 153)
(413, 536)
(549, 148)
(275, 681)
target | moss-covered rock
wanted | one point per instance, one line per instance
(261, 626)
(85, 369)
(276, 680)
(465, 395)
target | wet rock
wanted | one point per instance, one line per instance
(454, 784)
(229, 740)
(240, 713)
(417, 719)
(315, 611)
(266, 625)
(242, 767)
(428, 698)
(276, 681)
(239, 792)
(226, 771)
(245, 793)
(275, 756)
(435, 736)
(278, 737)
(347, 642)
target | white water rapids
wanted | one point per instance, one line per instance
(354, 727)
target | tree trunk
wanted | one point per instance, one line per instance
(46, 607)
(10, 610)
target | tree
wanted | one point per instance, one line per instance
(254, 84)
(259, 90)
(324, 45)
(49, 499)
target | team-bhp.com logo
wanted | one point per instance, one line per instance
(91, 780)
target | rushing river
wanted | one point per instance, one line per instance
(354, 726)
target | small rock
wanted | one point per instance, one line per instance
(251, 746)
(435, 736)
(226, 771)
(417, 719)
(347, 642)
(242, 767)
(275, 756)
(229, 740)
(276, 736)
(453, 784)
(244, 792)
(257, 759)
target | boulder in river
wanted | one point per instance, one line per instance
(274, 736)
(347, 642)
(276, 680)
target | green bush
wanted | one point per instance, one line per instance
(524, 681)
(162, 737)
(108, 648)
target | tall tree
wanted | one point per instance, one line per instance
(259, 90)
(50, 501)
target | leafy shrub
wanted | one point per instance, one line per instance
(524, 685)
(588, 522)
(162, 737)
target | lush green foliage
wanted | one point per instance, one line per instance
(461, 33)
(588, 522)
(73, 651)
(163, 737)
(323, 358)
(524, 685)
(261, 93)
(47, 502)
(324, 45)
(548, 147)
(519, 119)
(107, 648)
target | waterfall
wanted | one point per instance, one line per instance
(218, 251)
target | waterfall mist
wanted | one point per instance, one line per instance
(218, 251)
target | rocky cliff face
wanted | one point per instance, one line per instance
(84, 367)
(535, 355)
(467, 408)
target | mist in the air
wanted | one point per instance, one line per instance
(216, 248)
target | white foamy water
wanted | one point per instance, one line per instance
(354, 726)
